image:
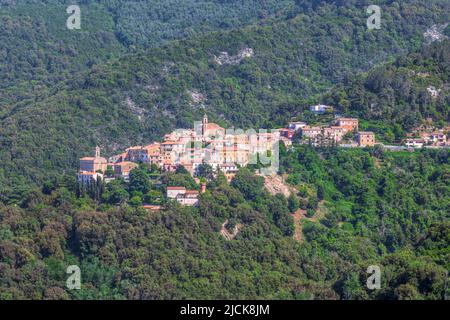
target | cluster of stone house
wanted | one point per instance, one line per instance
(333, 134)
(427, 135)
(433, 139)
(224, 150)
(207, 143)
(436, 138)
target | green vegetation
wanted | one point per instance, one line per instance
(394, 97)
(377, 213)
(129, 76)
(137, 98)
(39, 51)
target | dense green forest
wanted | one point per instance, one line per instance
(138, 69)
(38, 50)
(371, 210)
(394, 97)
(138, 97)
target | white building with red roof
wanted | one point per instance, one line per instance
(183, 196)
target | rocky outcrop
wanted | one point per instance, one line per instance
(275, 184)
(434, 33)
(226, 58)
(226, 234)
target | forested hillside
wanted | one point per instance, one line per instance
(138, 97)
(139, 69)
(395, 97)
(38, 50)
(368, 208)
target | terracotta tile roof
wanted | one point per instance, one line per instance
(213, 126)
(124, 163)
(100, 159)
(166, 143)
(152, 207)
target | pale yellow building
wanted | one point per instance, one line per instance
(93, 164)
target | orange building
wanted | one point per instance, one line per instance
(350, 124)
(366, 139)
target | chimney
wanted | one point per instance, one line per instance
(203, 187)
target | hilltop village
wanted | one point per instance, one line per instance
(227, 150)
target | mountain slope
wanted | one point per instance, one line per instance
(39, 51)
(400, 94)
(139, 97)
(373, 211)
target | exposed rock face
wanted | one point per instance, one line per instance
(137, 111)
(276, 185)
(225, 58)
(227, 235)
(433, 91)
(197, 97)
(434, 33)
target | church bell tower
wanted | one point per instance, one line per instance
(204, 124)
